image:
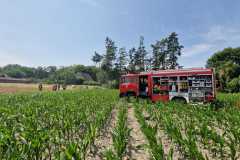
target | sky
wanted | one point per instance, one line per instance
(66, 32)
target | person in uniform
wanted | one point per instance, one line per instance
(54, 87)
(40, 87)
(64, 86)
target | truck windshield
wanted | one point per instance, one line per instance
(128, 80)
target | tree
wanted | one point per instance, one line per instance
(17, 71)
(159, 54)
(65, 75)
(227, 67)
(102, 77)
(41, 73)
(110, 56)
(140, 56)
(97, 58)
(131, 62)
(234, 85)
(173, 50)
(155, 52)
(121, 60)
(228, 54)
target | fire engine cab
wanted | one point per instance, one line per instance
(188, 85)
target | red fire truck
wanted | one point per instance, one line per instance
(188, 85)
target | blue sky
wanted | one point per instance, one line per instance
(66, 32)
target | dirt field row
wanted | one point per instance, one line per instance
(136, 148)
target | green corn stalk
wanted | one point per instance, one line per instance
(121, 133)
(150, 133)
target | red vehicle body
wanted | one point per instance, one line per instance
(190, 85)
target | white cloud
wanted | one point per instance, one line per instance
(222, 34)
(196, 49)
(217, 38)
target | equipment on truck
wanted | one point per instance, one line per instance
(189, 85)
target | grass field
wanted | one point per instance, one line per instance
(95, 124)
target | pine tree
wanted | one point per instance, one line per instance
(97, 58)
(159, 54)
(174, 50)
(121, 60)
(110, 56)
(131, 62)
(155, 56)
(140, 56)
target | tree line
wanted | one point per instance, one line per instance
(163, 54)
(115, 61)
(75, 74)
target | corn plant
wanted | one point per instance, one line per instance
(52, 125)
(150, 132)
(120, 136)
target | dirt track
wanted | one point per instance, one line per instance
(136, 148)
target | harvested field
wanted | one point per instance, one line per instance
(29, 87)
(20, 87)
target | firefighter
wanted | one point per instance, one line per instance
(156, 88)
(40, 87)
(143, 86)
(146, 86)
(54, 87)
(64, 86)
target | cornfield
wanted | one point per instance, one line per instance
(198, 132)
(66, 125)
(52, 125)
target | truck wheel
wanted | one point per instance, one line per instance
(179, 100)
(121, 95)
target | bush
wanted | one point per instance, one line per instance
(112, 84)
(217, 104)
(91, 83)
(234, 85)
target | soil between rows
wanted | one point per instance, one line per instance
(136, 149)
(104, 141)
